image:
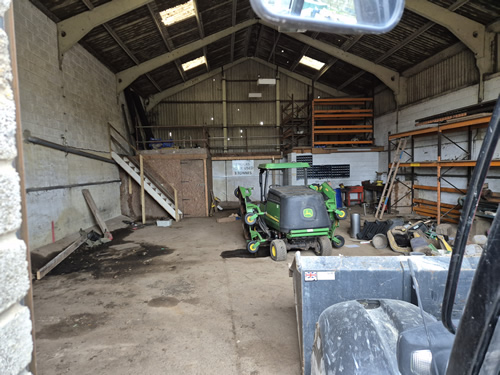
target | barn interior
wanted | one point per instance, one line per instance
(129, 127)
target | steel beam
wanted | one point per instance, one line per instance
(259, 38)
(233, 22)
(274, 46)
(126, 77)
(71, 30)
(123, 46)
(433, 60)
(406, 41)
(128, 52)
(346, 46)
(389, 77)
(154, 100)
(153, 11)
(473, 34)
(302, 53)
(494, 27)
(201, 31)
(224, 109)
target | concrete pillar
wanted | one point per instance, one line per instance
(16, 343)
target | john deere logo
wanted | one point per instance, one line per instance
(308, 212)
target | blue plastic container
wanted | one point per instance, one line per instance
(338, 197)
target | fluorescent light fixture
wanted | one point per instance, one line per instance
(178, 13)
(255, 95)
(266, 81)
(315, 64)
(194, 63)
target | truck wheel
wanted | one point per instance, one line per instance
(253, 247)
(340, 243)
(278, 250)
(341, 215)
(325, 246)
(249, 220)
(237, 192)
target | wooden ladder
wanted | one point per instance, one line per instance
(391, 177)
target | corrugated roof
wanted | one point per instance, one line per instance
(139, 36)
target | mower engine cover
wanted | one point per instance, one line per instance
(298, 207)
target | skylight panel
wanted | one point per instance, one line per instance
(177, 13)
(315, 64)
(194, 63)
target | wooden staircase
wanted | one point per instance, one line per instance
(155, 189)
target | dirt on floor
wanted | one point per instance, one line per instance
(187, 299)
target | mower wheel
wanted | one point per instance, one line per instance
(325, 246)
(278, 250)
(342, 215)
(253, 247)
(340, 243)
(237, 192)
(249, 220)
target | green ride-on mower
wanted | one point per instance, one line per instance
(290, 217)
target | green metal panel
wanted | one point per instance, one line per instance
(283, 165)
(272, 215)
(308, 233)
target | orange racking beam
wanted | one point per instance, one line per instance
(445, 189)
(343, 142)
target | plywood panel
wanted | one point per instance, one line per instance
(193, 188)
(166, 171)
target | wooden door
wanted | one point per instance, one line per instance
(193, 188)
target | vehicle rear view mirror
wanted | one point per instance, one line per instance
(333, 16)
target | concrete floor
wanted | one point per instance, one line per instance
(164, 301)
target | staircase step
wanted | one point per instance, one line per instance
(153, 190)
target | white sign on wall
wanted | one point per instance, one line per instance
(243, 167)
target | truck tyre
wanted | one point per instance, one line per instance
(278, 250)
(325, 246)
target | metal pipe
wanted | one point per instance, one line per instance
(355, 225)
(69, 150)
(56, 187)
(469, 208)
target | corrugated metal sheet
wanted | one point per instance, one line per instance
(291, 87)
(452, 73)
(199, 104)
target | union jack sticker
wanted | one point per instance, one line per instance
(311, 276)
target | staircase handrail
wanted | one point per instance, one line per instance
(158, 184)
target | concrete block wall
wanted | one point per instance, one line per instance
(426, 147)
(225, 181)
(71, 106)
(16, 344)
